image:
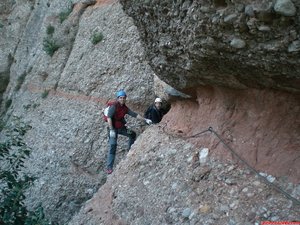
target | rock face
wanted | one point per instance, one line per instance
(163, 181)
(235, 44)
(61, 96)
(261, 126)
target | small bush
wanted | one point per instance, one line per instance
(45, 94)
(13, 152)
(8, 103)
(4, 80)
(64, 15)
(35, 105)
(50, 30)
(2, 125)
(96, 38)
(20, 81)
(29, 106)
(50, 46)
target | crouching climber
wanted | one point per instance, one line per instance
(116, 126)
(155, 111)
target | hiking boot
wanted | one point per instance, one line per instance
(109, 171)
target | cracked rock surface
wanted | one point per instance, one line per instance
(162, 181)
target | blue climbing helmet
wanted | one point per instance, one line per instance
(121, 93)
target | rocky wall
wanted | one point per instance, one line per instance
(236, 44)
(262, 126)
(60, 93)
(249, 45)
(166, 180)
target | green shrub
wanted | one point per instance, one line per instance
(96, 38)
(13, 152)
(8, 103)
(20, 81)
(4, 80)
(29, 106)
(64, 15)
(35, 105)
(50, 46)
(50, 30)
(2, 125)
(45, 94)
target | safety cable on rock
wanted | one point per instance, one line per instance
(296, 201)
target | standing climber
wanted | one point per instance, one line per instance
(116, 126)
(155, 112)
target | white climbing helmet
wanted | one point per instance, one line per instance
(158, 100)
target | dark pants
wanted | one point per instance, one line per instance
(113, 144)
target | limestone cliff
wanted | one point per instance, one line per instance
(61, 91)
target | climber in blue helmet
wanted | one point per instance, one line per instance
(116, 126)
(121, 93)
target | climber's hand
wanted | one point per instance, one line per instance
(112, 133)
(149, 122)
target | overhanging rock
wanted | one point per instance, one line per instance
(236, 44)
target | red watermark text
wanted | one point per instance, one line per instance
(279, 223)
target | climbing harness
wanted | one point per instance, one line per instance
(210, 129)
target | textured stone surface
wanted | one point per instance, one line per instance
(162, 182)
(62, 96)
(236, 44)
(262, 126)
(13, 18)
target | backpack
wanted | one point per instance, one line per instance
(105, 110)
